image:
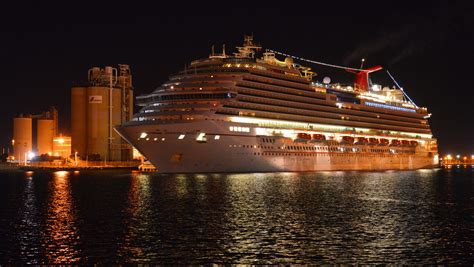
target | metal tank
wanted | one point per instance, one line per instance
(78, 119)
(45, 134)
(22, 137)
(94, 112)
(97, 109)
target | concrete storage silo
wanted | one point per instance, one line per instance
(105, 101)
(22, 137)
(97, 121)
(45, 134)
(78, 119)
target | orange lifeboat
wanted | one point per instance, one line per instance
(373, 141)
(405, 143)
(384, 142)
(413, 143)
(395, 142)
(316, 138)
(347, 139)
(361, 141)
(302, 137)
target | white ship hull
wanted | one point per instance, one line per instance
(247, 152)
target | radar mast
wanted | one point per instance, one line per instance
(248, 49)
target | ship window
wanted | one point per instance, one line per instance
(181, 136)
(239, 129)
(201, 138)
(217, 137)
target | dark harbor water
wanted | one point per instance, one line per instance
(423, 216)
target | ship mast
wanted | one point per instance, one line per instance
(248, 49)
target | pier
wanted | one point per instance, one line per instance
(449, 161)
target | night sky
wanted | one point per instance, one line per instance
(428, 47)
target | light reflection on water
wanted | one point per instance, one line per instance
(28, 214)
(137, 223)
(62, 238)
(422, 216)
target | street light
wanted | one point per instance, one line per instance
(75, 158)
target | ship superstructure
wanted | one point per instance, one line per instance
(251, 112)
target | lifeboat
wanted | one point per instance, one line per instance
(373, 141)
(347, 139)
(361, 141)
(413, 143)
(405, 143)
(384, 142)
(317, 138)
(395, 142)
(302, 137)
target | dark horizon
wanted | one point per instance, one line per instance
(426, 46)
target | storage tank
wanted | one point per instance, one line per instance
(45, 134)
(78, 120)
(90, 113)
(97, 121)
(22, 137)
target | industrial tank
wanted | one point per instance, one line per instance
(104, 101)
(97, 121)
(22, 137)
(45, 134)
(78, 119)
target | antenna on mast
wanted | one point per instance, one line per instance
(248, 49)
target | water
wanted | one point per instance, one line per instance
(423, 216)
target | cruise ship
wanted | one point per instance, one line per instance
(251, 112)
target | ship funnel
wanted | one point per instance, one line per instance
(361, 81)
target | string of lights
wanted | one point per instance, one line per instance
(314, 62)
(340, 67)
(401, 89)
